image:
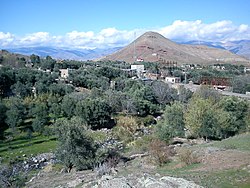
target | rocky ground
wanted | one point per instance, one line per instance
(227, 166)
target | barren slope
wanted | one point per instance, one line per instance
(153, 47)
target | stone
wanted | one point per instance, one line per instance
(75, 182)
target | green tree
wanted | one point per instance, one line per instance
(35, 59)
(96, 112)
(172, 124)
(22, 90)
(241, 84)
(207, 92)
(41, 116)
(48, 63)
(201, 118)
(76, 148)
(15, 113)
(7, 78)
(3, 125)
(69, 102)
(238, 110)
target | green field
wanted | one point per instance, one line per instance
(22, 147)
(240, 142)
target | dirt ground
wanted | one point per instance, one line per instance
(224, 159)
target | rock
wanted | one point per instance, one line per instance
(145, 181)
(75, 182)
(178, 140)
(114, 182)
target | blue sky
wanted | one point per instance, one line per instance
(108, 23)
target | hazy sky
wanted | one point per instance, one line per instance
(108, 23)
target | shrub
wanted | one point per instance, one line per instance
(188, 157)
(141, 145)
(125, 128)
(160, 152)
(107, 166)
(146, 121)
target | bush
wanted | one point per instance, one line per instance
(188, 157)
(107, 166)
(141, 145)
(147, 121)
(160, 152)
(125, 128)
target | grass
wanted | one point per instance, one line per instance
(227, 178)
(21, 147)
(220, 179)
(239, 142)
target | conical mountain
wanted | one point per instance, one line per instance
(153, 47)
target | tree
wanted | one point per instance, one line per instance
(115, 99)
(7, 78)
(172, 124)
(35, 59)
(108, 72)
(96, 112)
(184, 94)
(40, 113)
(60, 89)
(76, 148)
(22, 90)
(68, 106)
(207, 92)
(48, 63)
(3, 125)
(241, 84)
(163, 93)
(238, 110)
(201, 118)
(15, 113)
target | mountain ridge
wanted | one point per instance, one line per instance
(240, 47)
(64, 53)
(153, 47)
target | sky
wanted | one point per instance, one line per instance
(112, 23)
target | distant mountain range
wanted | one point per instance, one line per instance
(241, 48)
(153, 47)
(64, 53)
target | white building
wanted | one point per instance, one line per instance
(172, 80)
(64, 73)
(138, 68)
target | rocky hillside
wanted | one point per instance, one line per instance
(12, 59)
(153, 47)
(223, 163)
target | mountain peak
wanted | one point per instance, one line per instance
(154, 47)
